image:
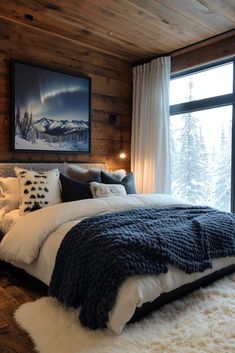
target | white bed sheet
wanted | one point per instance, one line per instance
(1, 216)
(9, 219)
(134, 292)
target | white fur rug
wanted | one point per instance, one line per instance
(202, 322)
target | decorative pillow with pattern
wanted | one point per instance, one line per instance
(38, 189)
(105, 190)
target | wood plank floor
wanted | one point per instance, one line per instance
(16, 288)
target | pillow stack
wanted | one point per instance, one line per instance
(93, 183)
(32, 190)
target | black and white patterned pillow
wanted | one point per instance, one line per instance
(38, 189)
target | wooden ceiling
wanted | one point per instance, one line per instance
(130, 29)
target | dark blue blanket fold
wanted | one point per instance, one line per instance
(99, 253)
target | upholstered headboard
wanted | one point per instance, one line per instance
(7, 169)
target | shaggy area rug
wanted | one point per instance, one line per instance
(201, 322)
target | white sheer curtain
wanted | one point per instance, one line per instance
(150, 126)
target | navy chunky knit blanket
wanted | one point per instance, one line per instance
(99, 253)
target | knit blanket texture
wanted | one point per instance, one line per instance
(99, 253)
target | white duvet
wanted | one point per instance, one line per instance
(32, 244)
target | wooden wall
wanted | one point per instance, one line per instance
(111, 89)
(218, 48)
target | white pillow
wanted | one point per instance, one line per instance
(38, 189)
(105, 190)
(118, 174)
(10, 194)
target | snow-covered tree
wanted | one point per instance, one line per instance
(223, 177)
(24, 126)
(17, 120)
(189, 173)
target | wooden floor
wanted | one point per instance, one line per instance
(16, 288)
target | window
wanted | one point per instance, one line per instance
(201, 134)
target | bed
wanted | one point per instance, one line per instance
(31, 243)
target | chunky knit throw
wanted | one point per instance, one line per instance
(98, 254)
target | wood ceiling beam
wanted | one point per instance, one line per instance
(219, 47)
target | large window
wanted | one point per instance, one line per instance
(202, 106)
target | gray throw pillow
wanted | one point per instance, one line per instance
(93, 174)
(83, 174)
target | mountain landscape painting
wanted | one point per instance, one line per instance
(51, 110)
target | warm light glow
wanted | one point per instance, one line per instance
(122, 154)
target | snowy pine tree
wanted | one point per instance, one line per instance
(24, 126)
(31, 135)
(17, 120)
(223, 177)
(187, 161)
(189, 173)
(202, 175)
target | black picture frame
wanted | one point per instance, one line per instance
(50, 110)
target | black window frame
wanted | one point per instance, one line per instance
(209, 103)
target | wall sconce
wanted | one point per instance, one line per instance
(113, 119)
(122, 153)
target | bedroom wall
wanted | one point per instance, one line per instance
(111, 89)
(218, 48)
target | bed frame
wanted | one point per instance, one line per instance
(7, 169)
(166, 298)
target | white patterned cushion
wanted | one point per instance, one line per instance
(38, 189)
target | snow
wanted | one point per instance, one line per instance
(200, 146)
(62, 127)
(23, 144)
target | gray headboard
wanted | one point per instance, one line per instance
(7, 169)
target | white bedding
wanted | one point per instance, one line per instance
(9, 219)
(32, 244)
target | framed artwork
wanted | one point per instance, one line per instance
(50, 110)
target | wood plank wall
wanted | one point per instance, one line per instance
(111, 90)
(209, 51)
